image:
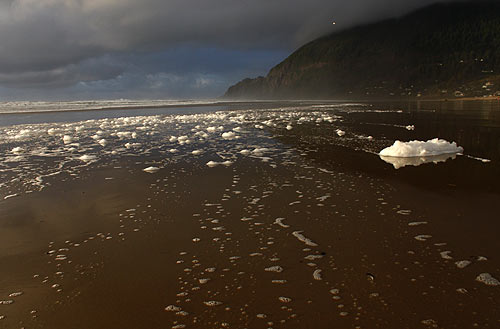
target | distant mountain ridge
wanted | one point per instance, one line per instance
(450, 50)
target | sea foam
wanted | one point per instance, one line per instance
(432, 147)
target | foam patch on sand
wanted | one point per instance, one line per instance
(229, 135)
(340, 132)
(416, 153)
(399, 162)
(279, 221)
(302, 238)
(432, 147)
(317, 275)
(151, 169)
(87, 157)
(487, 279)
(212, 164)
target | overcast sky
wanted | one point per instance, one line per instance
(106, 49)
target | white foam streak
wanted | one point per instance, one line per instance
(302, 238)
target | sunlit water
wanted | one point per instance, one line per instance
(249, 216)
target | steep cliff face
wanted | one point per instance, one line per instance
(437, 50)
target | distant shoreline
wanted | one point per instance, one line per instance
(473, 98)
(216, 103)
(263, 101)
(133, 107)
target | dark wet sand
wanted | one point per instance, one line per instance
(135, 244)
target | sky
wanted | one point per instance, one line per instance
(161, 49)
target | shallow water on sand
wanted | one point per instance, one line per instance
(252, 217)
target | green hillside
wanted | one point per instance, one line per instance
(441, 50)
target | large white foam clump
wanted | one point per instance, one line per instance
(410, 149)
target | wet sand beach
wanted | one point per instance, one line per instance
(251, 217)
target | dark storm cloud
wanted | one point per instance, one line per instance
(62, 42)
(92, 69)
(180, 72)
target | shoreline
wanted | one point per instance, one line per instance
(474, 98)
(218, 103)
(106, 108)
(253, 102)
